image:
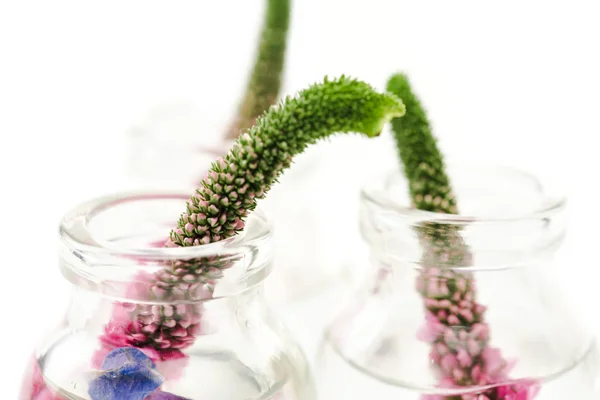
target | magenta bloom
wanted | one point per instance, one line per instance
(525, 390)
(459, 338)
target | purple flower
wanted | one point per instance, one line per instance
(123, 355)
(127, 374)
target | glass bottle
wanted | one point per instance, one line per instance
(461, 307)
(204, 335)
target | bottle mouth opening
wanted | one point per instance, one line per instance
(138, 225)
(486, 194)
(112, 240)
(507, 218)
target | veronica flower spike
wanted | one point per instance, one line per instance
(472, 363)
(258, 157)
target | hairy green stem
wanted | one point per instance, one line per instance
(265, 80)
(417, 147)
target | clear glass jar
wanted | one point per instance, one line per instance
(206, 336)
(461, 307)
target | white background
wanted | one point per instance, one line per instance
(516, 81)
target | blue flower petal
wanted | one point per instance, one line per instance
(122, 355)
(130, 382)
(128, 375)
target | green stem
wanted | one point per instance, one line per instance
(265, 81)
(423, 162)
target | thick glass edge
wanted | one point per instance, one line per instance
(74, 232)
(375, 193)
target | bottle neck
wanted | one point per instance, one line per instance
(95, 312)
(436, 240)
(507, 218)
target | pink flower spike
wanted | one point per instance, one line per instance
(473, 347)
(464, 360)
(432, 289)
(426, 334)
(461, 284)
(479, 331)
(476, 373)
(494, 363)
(448, 363)
(445, 304)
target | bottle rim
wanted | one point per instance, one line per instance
(95, 260)
(76, 231)
(377, 193)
